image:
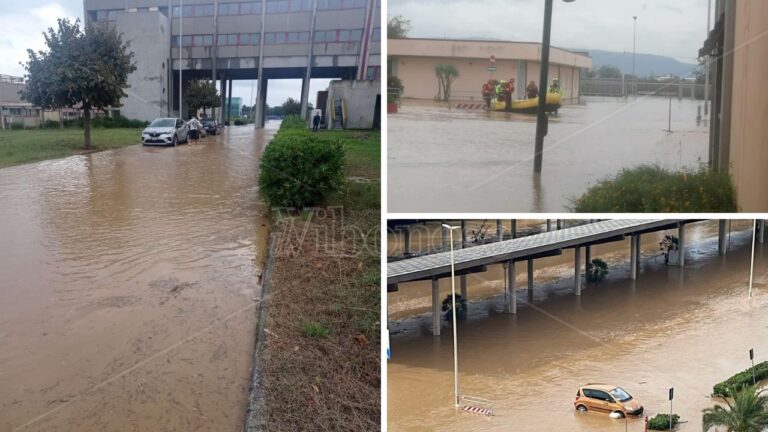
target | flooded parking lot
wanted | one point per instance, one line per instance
(128, 287)
(686, 328)
(450, 160)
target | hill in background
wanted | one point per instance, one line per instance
(645, 64)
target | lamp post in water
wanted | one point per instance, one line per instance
(453, 313)
(542, 120)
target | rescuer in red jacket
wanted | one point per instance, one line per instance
(509, 88)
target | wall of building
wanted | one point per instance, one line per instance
(148, 92)
(749, 109)
(359, 99)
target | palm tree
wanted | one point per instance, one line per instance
(748, 412)
(445, 75)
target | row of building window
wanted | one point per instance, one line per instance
(271, 38)
(273, 6)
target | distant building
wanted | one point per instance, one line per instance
(226, 40)
(414, 61)
(738, 49)
(15, 112)
(235, 104)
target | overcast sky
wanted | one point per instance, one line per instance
(664, 27)
(24, 21)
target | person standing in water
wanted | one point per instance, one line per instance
(532, 92)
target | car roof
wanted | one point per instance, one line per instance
(166, 118)
(599, 386)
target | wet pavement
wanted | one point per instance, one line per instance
(442, 160)
(128, 287)
(687, 329)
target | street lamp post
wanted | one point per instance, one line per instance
(453, 313)
(181, 37)
(542, 122)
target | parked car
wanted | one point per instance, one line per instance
(211, 126)
(607, 399)
(165, 131)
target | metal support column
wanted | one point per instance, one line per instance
(229, 104)
(760, 230)
(513, 228)
(308, 75)
(530, 280)
(511, 306)
(587, 258)
(463, 234)
(407, 240)
(549, 225)
(577, 270)
(722, 237)
(463, 284)
(223, 95)
(632, 258)
(681, 238)
(638, 242)
(435, 307)
(499, 230)
(261, 90)
(559, 224)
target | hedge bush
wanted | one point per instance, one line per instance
(653, 189)
(741, 379)
(661, 421)
(293, 122)
(301, 170)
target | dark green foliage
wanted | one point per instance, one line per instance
(652, 189)
(746, 412)
(461, 308)
(17, 125)
(87, 68)
(300, 170)
(597, 270)
(201, 94)
(741, 379)
(661, 421)
(394, 82)
(398, 27)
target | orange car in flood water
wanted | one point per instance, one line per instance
(607, 399)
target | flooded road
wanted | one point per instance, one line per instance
(128, 281)
(684, 328)
(483, 162)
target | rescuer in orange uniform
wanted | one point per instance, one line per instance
(509, 88)
(487, 92)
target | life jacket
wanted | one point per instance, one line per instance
(509, 87)
(487, 89)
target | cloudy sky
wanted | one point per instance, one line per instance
(664, 27)
(24, 21)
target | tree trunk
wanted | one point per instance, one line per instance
(87, 126)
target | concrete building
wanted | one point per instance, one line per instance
(235, 104)
(414, 61)
(15, 112)
(738, 50)
(353, 104)
(226, 40)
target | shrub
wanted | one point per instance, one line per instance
(394, 82)
(314, 330)
(741, 379)
(17, 125)
(652, 189)
(597, 270)
(301, 170)
(293, 122)
(49, 124)
(661, 421)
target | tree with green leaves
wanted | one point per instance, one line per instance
(748, 412)
(609, 71)
(445, 74)
(398, 27)
(87, 69)
(202, 94)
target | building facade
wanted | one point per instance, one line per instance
(737, 51)
(226, 40)
(414, 61)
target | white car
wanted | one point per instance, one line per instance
(165, 131)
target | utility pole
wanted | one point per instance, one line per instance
(634, 48)
(181, 36)
(542, 120)
(706, 62)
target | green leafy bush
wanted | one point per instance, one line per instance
(741, 379)
(49, 124)
(17, 125)
(653, 189)
(293, 122)
(300, 170)
(597, 270)
(661, 421)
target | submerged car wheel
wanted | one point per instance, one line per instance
(175, 140)
(581, 408)
(617, 414)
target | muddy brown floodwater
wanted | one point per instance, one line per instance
(683, 328)
(128, 282)
(461, 161)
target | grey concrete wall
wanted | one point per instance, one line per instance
(148, 93)
(359, 98)
(9, 92)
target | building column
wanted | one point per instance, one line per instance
(229, 104)
(522, 73)
(530, 280)
(760, 230)
(407, 240)
(549, 225)
(638, 253)
(577, 270)
(632, 258)
(513, 228)
(223, 94)
(463, 234)
(511, 306)
(681, 238)
(559, 223)
(499, 230)
(722, 237)
(463, 285)
(305, 96)
(436, 307)
(587, 258)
